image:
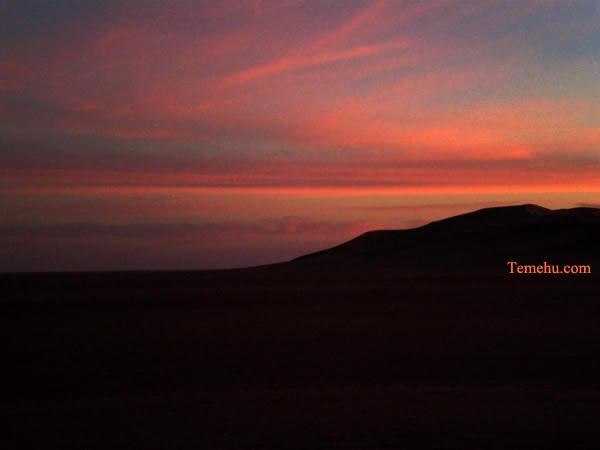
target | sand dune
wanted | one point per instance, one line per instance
(385, 341)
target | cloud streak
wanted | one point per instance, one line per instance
(296, 226)
(286, 98)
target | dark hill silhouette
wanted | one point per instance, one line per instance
(391, 340)
(490, 236)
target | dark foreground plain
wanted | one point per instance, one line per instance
(398, 339)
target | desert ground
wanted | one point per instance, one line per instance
(302, 355)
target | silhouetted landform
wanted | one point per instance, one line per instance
(526, 233)
(397, 339)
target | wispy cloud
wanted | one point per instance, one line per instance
(287, 97)
(292, 226)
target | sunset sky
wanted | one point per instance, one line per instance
(208, 134)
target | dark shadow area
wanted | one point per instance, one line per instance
(398, 339)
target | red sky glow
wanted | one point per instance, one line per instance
(174, 135)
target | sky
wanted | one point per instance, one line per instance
(209, 134)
